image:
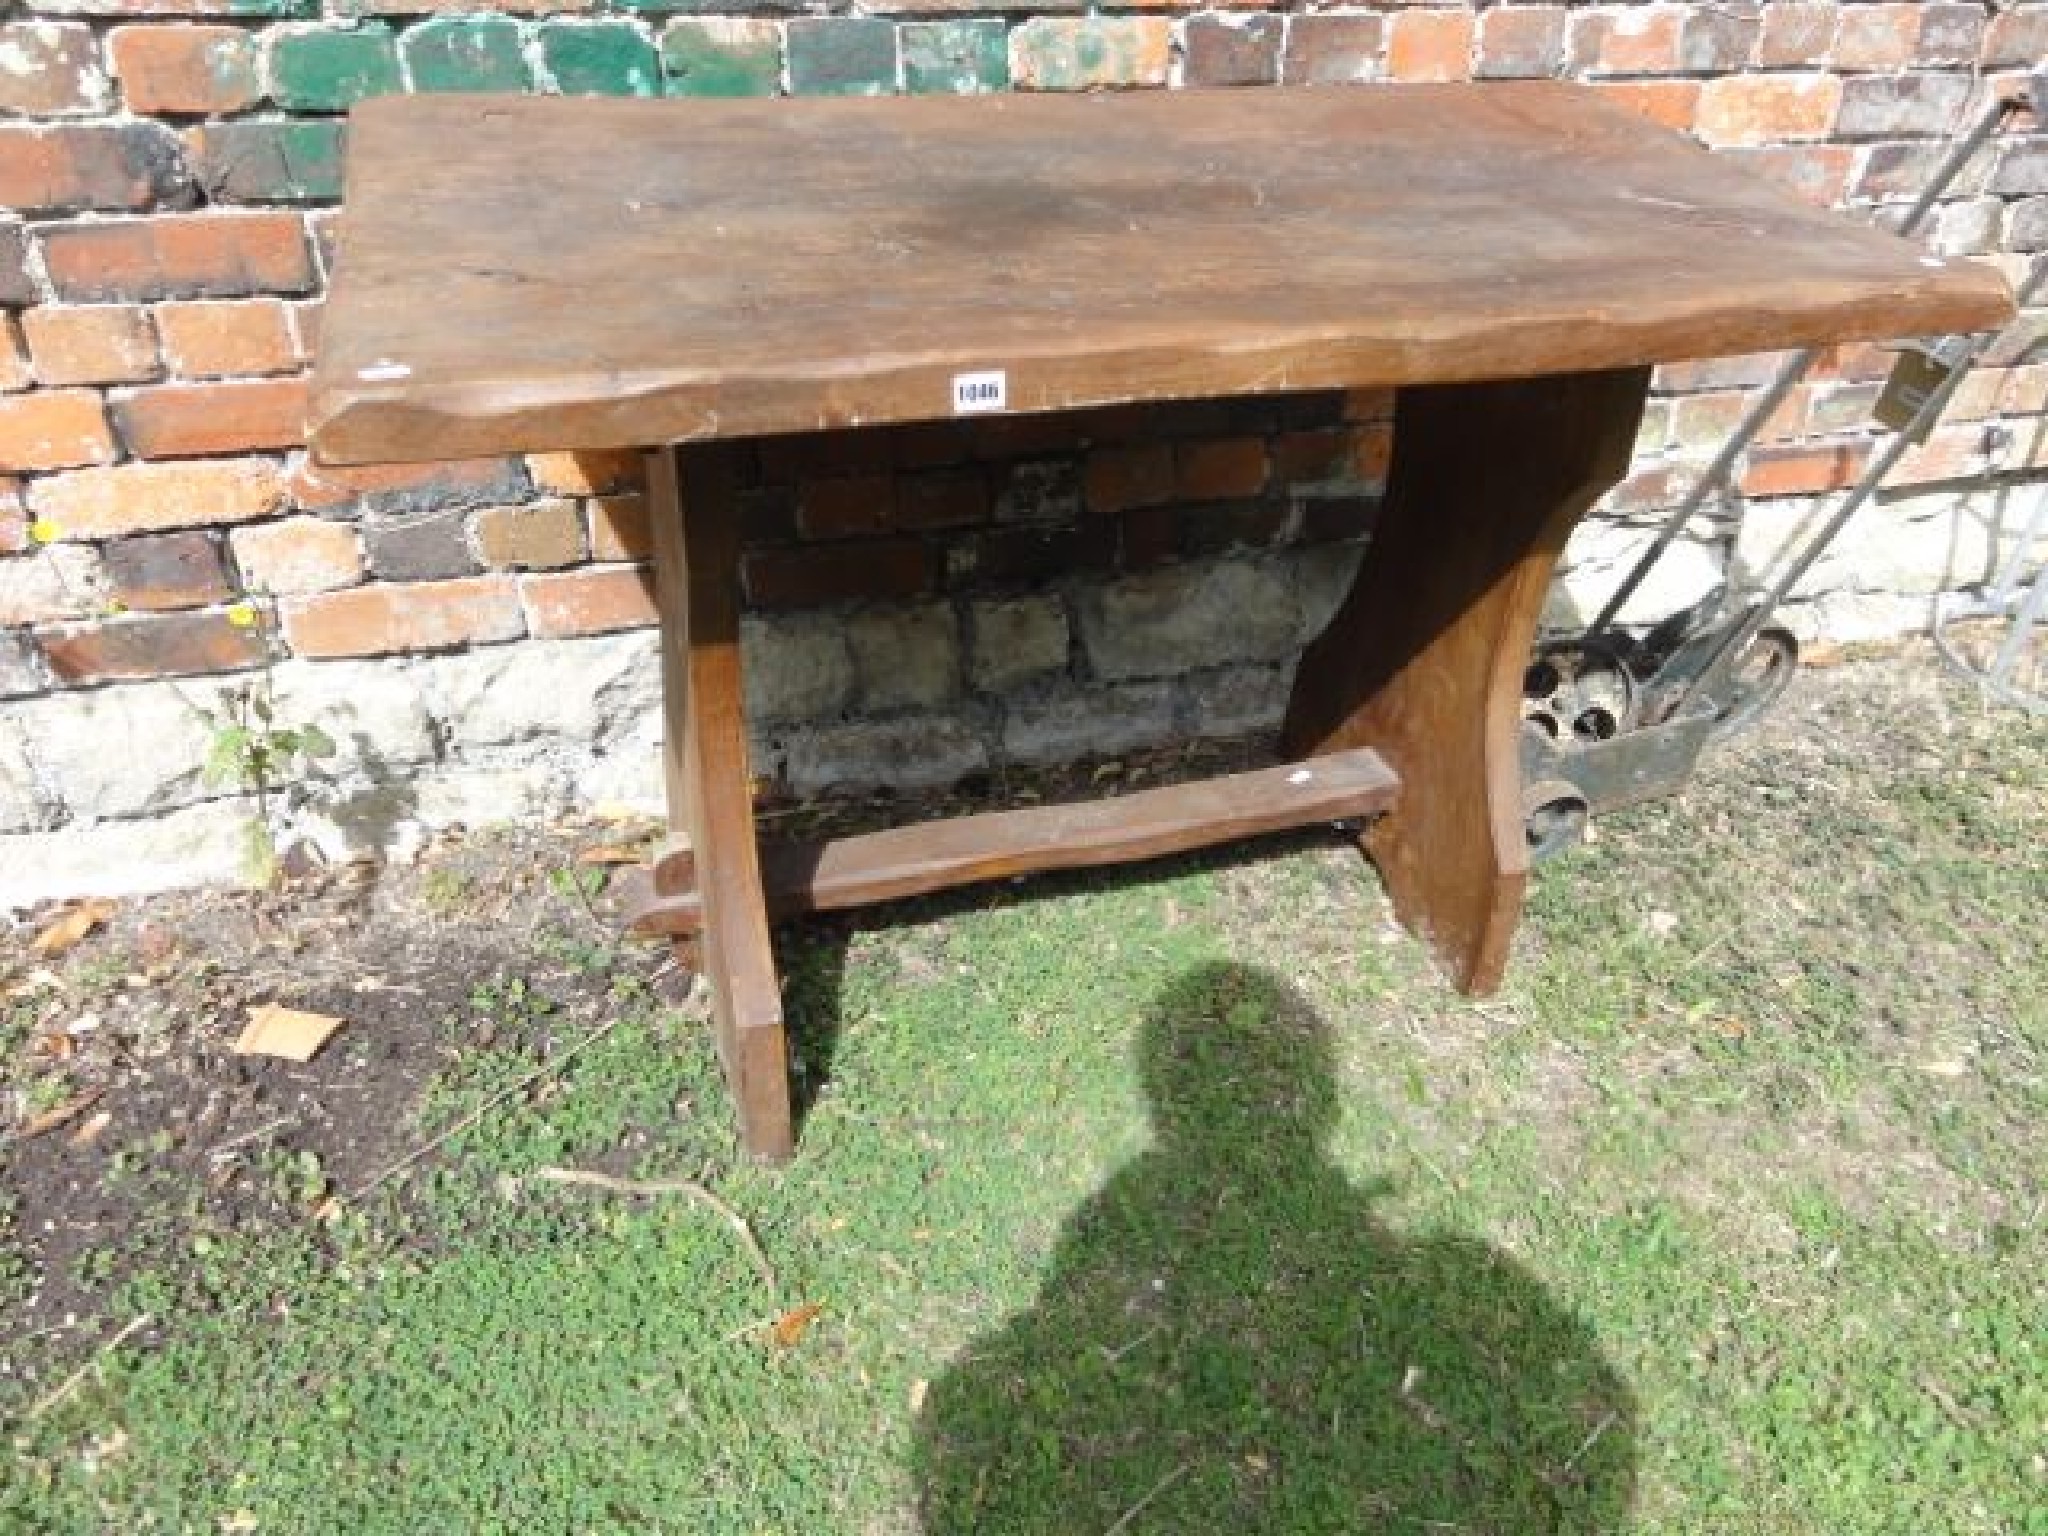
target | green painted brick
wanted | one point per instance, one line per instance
(276, 10)
(961, 57)
(480, 53)
(270, 162)
(722, 56)
(842, 56)
(600, 58)
(328, 69)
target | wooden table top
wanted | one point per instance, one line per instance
(528, 273)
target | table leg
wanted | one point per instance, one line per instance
(696, 562)
(1424, 659)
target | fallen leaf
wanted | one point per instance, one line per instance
(918, 1389)
(794, 1324)
(1662, 924)
(89, 1132)
(612, 853)
(287, 1033)
(61, 1114)
(66, 932)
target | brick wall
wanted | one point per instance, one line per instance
(926, 601)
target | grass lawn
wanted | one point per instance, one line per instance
(1181, 1200)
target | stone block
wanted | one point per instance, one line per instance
(1181, 617)
(200, 845)
(123, 751)
(1015, 640)
(905, 658)
(797, 667)
(1067, 720)
(909, 752)
(1238, 701)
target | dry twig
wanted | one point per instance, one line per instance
(690, 1187)
(69, 1384)
(546, 1069)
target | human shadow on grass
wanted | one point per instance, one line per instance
(1228, 1339)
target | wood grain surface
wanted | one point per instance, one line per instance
(940, 855)
(1423, 660)
(533, 273)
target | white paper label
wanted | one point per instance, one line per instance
(977, 392)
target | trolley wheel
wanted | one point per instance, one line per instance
(1553, 817)
(1758, 680)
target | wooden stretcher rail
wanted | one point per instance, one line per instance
(1149, 824)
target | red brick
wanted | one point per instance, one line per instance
(1796, 36)
(167, 645)
(1702, 423)
(1332, 50)
(1648, 489)
(1520, 42)
(51, 69)
(13, 517)
(1034, 555)
(2026, 390)
(1667, 103)
(1311, 456)
(1372, 451)
(53, 429)
(1803, 469)
(1134, 475)
(1430, 45)
(537, 536)
(110, 167)
(91, 344)
(15, 372)
(845, 505)
(296, 555)
(238, 337)
(942, 498)
(589, 602)
(172, 421)
(197, 255)
(619, 529)
(1717, 38)
(418, 616)
(1950, 34)
(167, 570)
(1225, 49)
(1858, 361)
(1762, 109)
(1638, 40)
(585, 473)
(811, 578)
(324, 487)
(1220, 469)
(194, 69)
(135, 498)
(1368, 404)
(2017, 38)
(1817, 172)
(1950, 453)
(1877, 36)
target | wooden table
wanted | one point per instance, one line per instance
(534, 274)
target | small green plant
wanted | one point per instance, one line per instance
(263, 758)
